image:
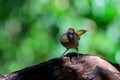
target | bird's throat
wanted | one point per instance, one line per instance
(71, 36)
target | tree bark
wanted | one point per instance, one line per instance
(69, 67)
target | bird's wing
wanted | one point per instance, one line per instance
(81, 32)
(64, 38)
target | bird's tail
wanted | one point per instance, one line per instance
(81, 32)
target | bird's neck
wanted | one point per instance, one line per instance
(71, 39)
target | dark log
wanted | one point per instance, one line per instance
(69, 67)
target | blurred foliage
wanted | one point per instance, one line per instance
(30, 30)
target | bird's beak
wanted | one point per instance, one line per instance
(70, 36)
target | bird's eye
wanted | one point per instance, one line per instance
(70, 33)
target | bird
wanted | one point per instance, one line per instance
(70, 39)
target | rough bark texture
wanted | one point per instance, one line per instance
(69, 67)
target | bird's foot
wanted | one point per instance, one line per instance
(78, 58)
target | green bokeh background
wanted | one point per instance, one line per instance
(30, 30)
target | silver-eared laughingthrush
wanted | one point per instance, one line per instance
(71, 39)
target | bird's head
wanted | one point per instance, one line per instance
(70, 33)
